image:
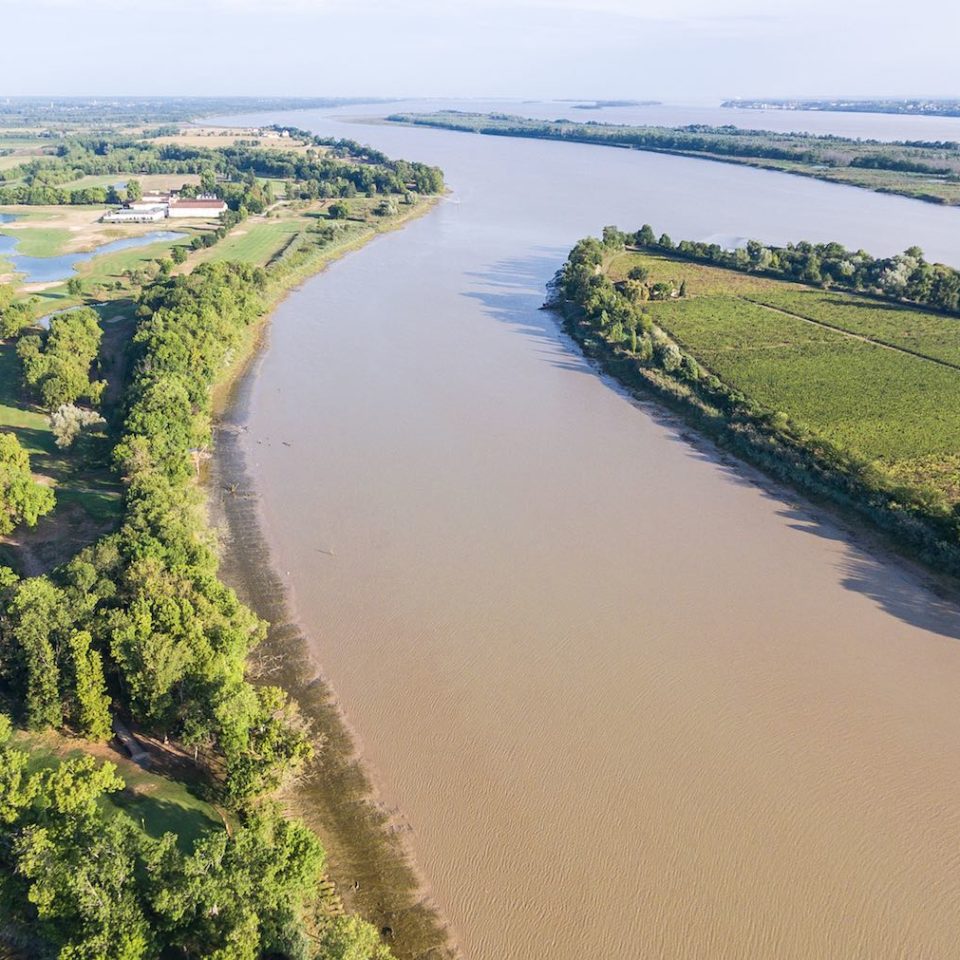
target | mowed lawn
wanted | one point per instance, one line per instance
(156, 804)
(877, 401)
(254, 241)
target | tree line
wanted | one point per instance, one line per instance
(825, 150)
(327, 169)
(139, 625)
(906, 277)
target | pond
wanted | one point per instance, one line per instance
(53, 269)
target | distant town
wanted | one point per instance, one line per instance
(918, 106)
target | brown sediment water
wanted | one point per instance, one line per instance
(632, 700)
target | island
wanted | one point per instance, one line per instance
(921, 107)
(922, 170)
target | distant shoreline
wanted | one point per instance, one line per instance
(913, 107)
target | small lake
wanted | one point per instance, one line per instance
(52, 269)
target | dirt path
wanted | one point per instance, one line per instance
(863, 338)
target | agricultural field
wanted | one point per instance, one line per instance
(927, 333)
(907, 328)
(216, 137)
(847, 375)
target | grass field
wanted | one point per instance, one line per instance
(51, 231)
(215, 137)
(256, 240)
(158, 804)
(847, 375)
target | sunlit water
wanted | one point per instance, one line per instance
(632, 701)
(52, 269)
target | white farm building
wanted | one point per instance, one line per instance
(201, 207)
(135, 214)
(159, 206)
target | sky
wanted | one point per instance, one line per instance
(611, 49)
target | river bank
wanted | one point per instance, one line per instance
(925, 171)
(673, 404)
(367, 856)
(631, 701)
(913, 523)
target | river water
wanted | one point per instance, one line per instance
(631, 700)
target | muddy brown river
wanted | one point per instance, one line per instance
(631, 700)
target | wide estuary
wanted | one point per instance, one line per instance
(631, 699)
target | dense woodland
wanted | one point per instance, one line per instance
(138, 627)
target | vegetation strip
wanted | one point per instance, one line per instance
(927, 107)
(922, 170)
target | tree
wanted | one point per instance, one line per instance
(178, 254)
(613, 238)
(208, 181)
(15, 315)
(90, 689)
(350, 938)
(338, 211)
(645, 237)
(68, 420)
(134, 190)
(38, 619)
(80, 866)
(22, 499)
(18, 788)
(669, 357)
(57, 365)
(75, 287)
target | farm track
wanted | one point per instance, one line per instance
(848, 333)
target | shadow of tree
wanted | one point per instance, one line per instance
(512, 292)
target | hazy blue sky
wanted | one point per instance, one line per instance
(526, 48)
